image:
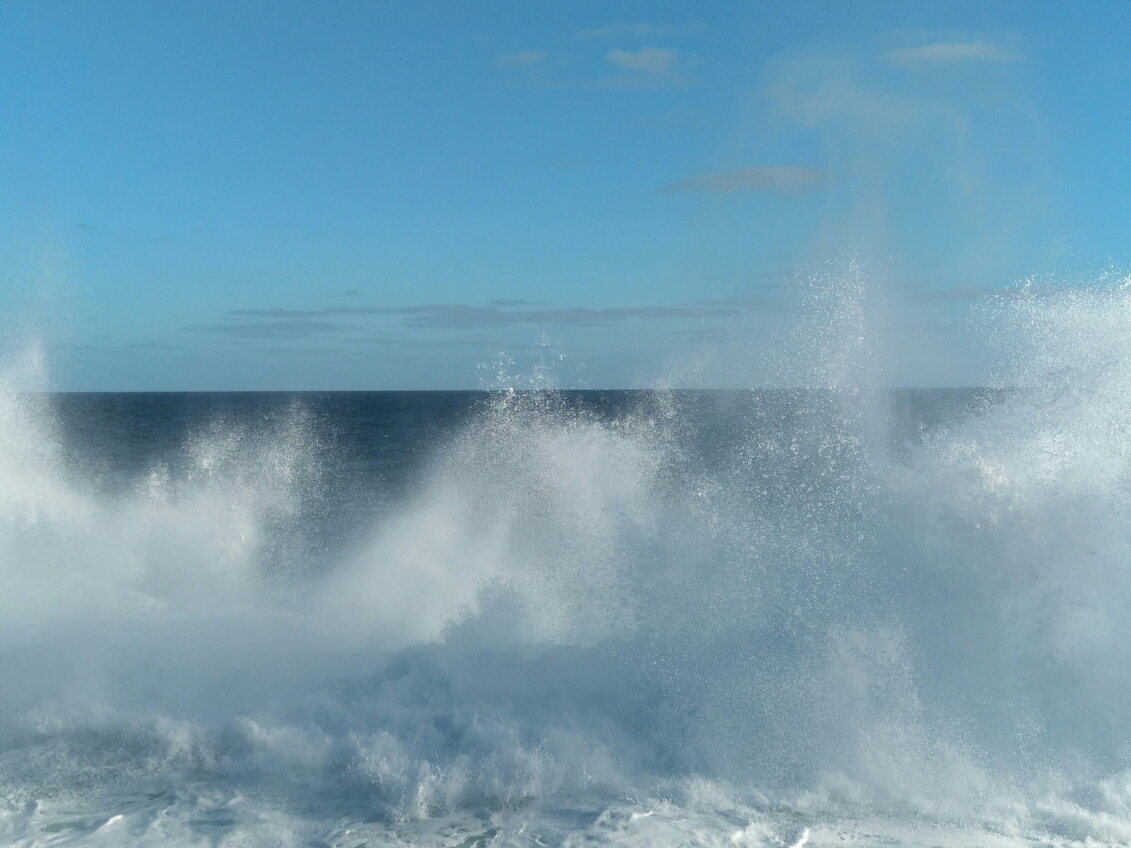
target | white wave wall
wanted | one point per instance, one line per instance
(577, 612)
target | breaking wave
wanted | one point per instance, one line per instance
(755, 617)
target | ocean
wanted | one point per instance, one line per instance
(530, 618)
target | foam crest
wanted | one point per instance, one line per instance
(771, 618)
(535, 501)
(1020, 519)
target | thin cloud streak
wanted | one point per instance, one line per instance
(303, 323)
(952, 52)
(781, 179)
(646, 60)
(275, 329)
(812, 103)
(522, 59)
(459, 316)
(648, 67)
(639, 30)
(644, 68)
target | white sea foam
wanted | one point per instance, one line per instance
(580, 630)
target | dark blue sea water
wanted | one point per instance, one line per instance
(766, 617)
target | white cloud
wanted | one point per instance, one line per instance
(783, 179)
(952, 52)
(656, 61)
(639, 30)
(648, 67)
(521, 59)
(814, 90)
(841, 100)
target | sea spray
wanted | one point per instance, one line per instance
(769, 617)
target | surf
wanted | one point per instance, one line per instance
(773, 616)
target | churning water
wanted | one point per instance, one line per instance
(777, 617)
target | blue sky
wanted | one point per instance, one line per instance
(382, 196)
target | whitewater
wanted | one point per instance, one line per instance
(826, 614)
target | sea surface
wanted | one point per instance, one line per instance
(535, 618)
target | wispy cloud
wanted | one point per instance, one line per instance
(522, 59)
(642, 68)
(287, 328)
(783, 179)
(648, 67)
(614, 30)
(458, 316)
(276, 323)
(390, 341)
(655, 61)
(952, 52)
(815, 89)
